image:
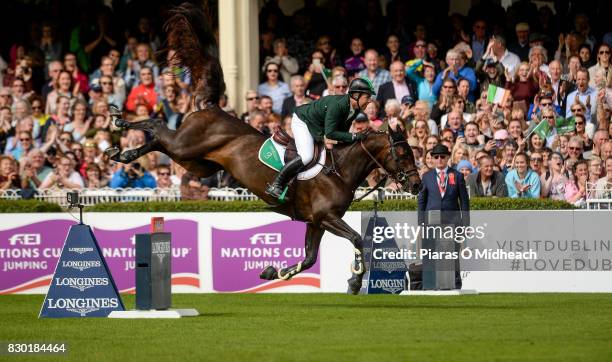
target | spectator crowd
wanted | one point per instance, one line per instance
(522, 96)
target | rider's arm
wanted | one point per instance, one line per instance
(332, 117)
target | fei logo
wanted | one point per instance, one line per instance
(266, 239)
(24, 239)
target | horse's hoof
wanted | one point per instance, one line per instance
(128, 156)
(113, 153)
(269, 273)
(355, 284)
(121, 123)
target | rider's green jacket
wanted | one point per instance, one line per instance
(329, 116)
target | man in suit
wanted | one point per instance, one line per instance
(397, 88)
(297, 97)
(444, 189)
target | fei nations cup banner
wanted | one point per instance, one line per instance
(29, 253)
(239, 256)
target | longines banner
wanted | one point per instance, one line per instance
(508, 251)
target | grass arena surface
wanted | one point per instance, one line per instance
(292, 327)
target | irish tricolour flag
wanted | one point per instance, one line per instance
(497, 95)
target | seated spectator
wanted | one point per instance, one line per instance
(603, 186)
(393, 52)
(169, 109)
(80, 79)
(603, 64)
(273, 87)
(460, 152)
(265, 105)
(132, 175)
(457, 106)
(110, 93)
(288, 64)
(297, 98)
(252, 103)
(575, 188)
(522, 182)
(34, 167)
(25, 143)
(554, 180)
(536, 162)
(257, 120)
(356, 62)
(443, 105)
(144, 93)
(360, 123)
(372, 112)
(419, 112)
(337, 86)
(9, 174)
(465, 167)
(487, 182)
(163, 176)
(64, 87)
(63, 175)
(95, 179)
(192, 188)
(473, 139)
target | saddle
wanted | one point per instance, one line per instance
(284, 139)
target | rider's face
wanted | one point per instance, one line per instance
(363, 101)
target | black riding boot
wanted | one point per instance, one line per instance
(284, 175)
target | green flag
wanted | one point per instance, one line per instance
(542, 129)
(326, 73)
(565, 125)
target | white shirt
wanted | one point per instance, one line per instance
(510, 61)
(445, 171)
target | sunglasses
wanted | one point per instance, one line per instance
(106, 83)
(36, 107)
(548, 117)
(604, 52)
(448, 86)
(579, 123)
(537, 159)
(5, 95)
(574, 148)
(547, 104)
(340, 86)
(435, 157)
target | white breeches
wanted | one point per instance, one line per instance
(303, 140)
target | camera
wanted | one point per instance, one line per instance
(73, 198)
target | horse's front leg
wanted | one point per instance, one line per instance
(313, 240)
(337, 226)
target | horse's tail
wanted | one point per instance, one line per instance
(190, 35)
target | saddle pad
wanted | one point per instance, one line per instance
(272, 155)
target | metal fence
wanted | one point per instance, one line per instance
(103, 195)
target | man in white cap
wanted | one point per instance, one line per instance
(521, 46)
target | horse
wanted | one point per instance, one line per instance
(210, 139)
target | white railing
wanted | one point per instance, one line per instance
(599, 197)
(90, 197)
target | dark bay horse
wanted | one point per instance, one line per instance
(211, 139)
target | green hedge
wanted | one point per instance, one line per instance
(17, 206)
(24, 206)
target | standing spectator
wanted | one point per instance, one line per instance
(424, 83)
(603, 65)
(109, 93)
(65, 87)
(78, 77)
(298, 97)
(80, 121)
(145, 33)
(356, 62)
(373, 72)
(144, 93)
(479, 38)
(521, 47)
(48, 44)
(443, 105)
(144, 59)
(523, 86)
(522, 182)
(393, 52)
(603, 186)
(315, 76)
(288, 64)
(338, 86)
(584, 93)
(163, 176)
(560, 87)
(274, 87)
(586, 61)
(487, 182)
(94, 179)
(399, 86)
(53, 70)
(34, 167)
(509, 60)
(108, 68)
(330, 56)
(169, 109)
(456, 69)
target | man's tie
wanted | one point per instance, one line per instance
(442, 182)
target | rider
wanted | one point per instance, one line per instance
(330, 118)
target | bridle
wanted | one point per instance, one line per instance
(400, 176)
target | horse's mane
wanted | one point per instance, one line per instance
(190, 35)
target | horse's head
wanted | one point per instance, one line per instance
(397, 159)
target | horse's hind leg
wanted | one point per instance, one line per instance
(337, 226)
(313, 240)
